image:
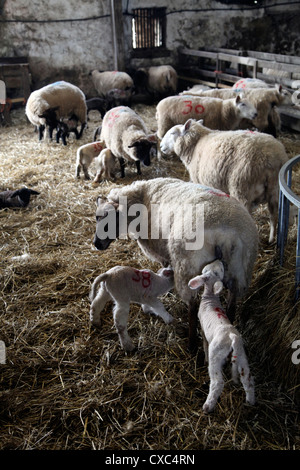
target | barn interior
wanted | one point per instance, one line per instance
(65, 384)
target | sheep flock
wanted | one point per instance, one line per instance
(68, 384)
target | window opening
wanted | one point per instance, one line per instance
(148, 28)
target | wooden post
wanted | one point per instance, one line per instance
(118, 34)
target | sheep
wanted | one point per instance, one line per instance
(85, 155)
(126, 135)
(159, 80)
(216, 113)
(123, 285)
(244, 164)
(221, 340)
(98, 104)
(105, 165)
(16, 198)
(265, 100)
(64, 127)
(61, 99)
(106, 81)
(170, 209)
(118, 97)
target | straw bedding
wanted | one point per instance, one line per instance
(67, 385)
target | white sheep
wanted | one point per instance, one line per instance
(126, 135)
(85, 155)
(181, 225)
(216, 113)
(265, 100)
(244, 164)
(158, 80)
(123, 285)
(106, 81)
(221, 340)
(105, 165)
(46, 106)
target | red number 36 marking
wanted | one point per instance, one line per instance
(142, 276)
(199, 109)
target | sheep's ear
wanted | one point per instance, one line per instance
(167, 272)
(238, 99)
(218, 286)
(197, 282)
(200, 122)
(152, 138)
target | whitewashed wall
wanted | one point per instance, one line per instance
(67, 39)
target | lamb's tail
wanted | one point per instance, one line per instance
(95, 285)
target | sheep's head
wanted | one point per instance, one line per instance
(211, 278)
(141, 149)
(50, 117)
(246, 109)
(107, 223)
(169, 139)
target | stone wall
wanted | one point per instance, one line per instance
(66, 40)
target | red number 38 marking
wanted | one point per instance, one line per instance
(199, 109)
(142, 276)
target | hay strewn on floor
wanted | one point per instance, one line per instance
(67, 385)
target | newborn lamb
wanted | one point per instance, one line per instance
(221, 340)
(124, 284)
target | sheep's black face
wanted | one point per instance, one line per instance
(107, 225)
(142, 151)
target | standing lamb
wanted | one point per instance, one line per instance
(124, 284)
(106, 81)
(85, 155)
(221, 340)
(46, 106)
(244, 164)
(180, 225)
(105, 165)
(216, 113)
(159, 81)
(126, 135)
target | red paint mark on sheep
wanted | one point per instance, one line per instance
(98, 147)
(220, 312)
(189, 107)
(142, 276)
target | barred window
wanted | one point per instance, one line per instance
(148, 28)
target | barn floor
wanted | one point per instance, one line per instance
(69, 386)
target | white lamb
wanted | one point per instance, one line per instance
(216, 113)
(105, 165)
(221, 340)
(106, 81)
(85, 155)
(123, 285)
(181, 225)
(244, 164)
(126, 135)
(46, 106)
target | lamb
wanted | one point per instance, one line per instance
(158, 80)
(61, 99)
(174, 213)
(16, 198)
(124, 284)
(216, 113)
(98, 104)
(85, 155)
(265, 100)
(105, 165)
(244, 164)
(126, 135)
(106, 81)
(221, 340)
(65, 127)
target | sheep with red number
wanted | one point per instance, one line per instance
(221, 340)
(123, 285)
(216, 113)
(85, 155)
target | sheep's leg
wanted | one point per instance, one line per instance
(85, 171)
(83, 126)
(78, 168)
(41, 131)
(215, 369)
(122, 165)
(155, 306)
(273, 209)
(98, 305)
(121, 311)
(240, 368)
(193, 319)
(138, 167)
(205, 346)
